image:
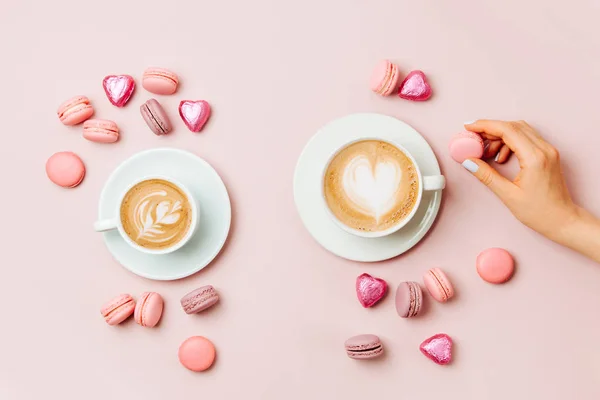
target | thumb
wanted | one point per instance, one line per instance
(498, 184)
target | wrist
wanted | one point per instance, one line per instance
(582, 234)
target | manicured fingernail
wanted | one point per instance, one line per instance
(470, 166)
(469, 122)
(497, 157)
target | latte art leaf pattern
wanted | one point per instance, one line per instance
(155, 214)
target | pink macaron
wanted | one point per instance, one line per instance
(197, 353)
(75, 110)
(118, 309)
(384, 79)
(65, 169)
(160, 81)
(438, 285)
(149, 309)
(409, 299)
(466, 145)
(495, 265)
(100, 131)
(199, 300)
(364, 347)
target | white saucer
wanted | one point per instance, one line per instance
(215, 213)
(307, 191)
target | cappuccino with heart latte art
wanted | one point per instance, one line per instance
(156, 214)
(371, 186)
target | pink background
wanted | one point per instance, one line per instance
(275, 71)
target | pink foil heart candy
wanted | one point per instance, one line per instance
(194, 114)
(438, 348)
(415, 87)
(118, 88)
(370, 290)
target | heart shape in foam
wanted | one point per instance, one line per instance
(372, 187)
(118, 89)
(370, 290)
(194, 114)
(415, 87)
(438, 348)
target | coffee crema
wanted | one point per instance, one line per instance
(371, 185)
(156, 214)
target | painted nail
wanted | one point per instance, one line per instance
(470, 122)
(470, 166)
(497, 157)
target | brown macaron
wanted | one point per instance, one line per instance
(156, 118)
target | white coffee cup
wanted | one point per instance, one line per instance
(116, 223)
(426, 183)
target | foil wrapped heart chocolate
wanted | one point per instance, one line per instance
(118, 89)
(415, 87)
(194, 113)
(438, 348)
(370, 290)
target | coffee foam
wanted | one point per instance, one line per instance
(155, 214)
(371, 185)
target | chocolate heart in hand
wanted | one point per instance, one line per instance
(438, 348)
(370, 290)
(415, 87)
(194, 114)
(118, 88)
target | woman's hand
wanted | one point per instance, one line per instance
(538, 196)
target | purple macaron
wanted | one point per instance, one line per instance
(363, 347)
(199, 299)
(409, 299)
(156, 118)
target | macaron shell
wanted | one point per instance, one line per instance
(438, 285)
(409, 299)
(148, 310)
(199, 300)
(65, 169)
(160, 81)
(384, 78)
(100, 131)
(363, 346)
(118, 309)
(75, 110)
(155, 117)
(466, 145)
(197, 353)
(495, 265)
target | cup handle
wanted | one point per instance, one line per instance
(434, 182)
(105, 225)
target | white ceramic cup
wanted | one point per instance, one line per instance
(116, 223)
(426, 183)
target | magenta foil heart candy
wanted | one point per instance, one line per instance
(415, 87)
(370, 290)
(194, 114)
(118, 89)
(438, 348)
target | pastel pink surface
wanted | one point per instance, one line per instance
(274, 79)
(148, 309)
(160, 81)
(370, 290)
(100, 131)
(194, 114)
(415, 87)
(75, 110)
(118, 88)
(466, 145)
(118, 309)
(438, 285)
(65, 169)
(495, 265)
(197, 353)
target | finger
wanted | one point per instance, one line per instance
(493, 148)
(502, 187)
(512, 136)
(503, 155)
